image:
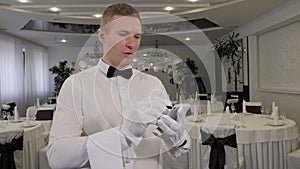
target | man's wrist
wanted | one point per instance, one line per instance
(183, 143)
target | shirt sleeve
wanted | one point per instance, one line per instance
(184, 147)
(67, 146)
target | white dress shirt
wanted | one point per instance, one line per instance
(90, 103)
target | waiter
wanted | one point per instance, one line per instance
(106, 115)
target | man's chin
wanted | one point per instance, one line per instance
(126, 62)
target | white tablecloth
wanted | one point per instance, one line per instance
(260, 145)
(33, 141)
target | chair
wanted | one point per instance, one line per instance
(52, 100)
(219, 148)
(7, 160)
(11, 108)
(253, 107)
(44, 114)
(293, 159)
(42, 156)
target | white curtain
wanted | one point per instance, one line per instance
(23, 72)
(11, 73)
(36, 73)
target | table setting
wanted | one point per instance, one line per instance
(263, 140)
(32, 134)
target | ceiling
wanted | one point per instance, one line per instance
(227, 14)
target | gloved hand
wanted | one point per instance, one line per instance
(145, 113)
(173, 131)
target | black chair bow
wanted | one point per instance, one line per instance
(7, 160)
(112, 72)
(217, 152)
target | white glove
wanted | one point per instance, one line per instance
(135, 125)
(173, 131)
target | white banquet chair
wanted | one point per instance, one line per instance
(253, 107)
(213, 140)
(293, 159)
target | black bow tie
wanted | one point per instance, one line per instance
(112, 72)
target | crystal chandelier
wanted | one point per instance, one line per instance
(156, 54)
(89, 59)
(151, 58)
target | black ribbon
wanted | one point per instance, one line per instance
(217, 152)
(7, 160)
(112, 72)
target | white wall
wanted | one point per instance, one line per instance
(277, 19)
(57, 54)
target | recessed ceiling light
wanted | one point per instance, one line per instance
(187, 38)
(169, 8)
(97, 15)
(23, 1)
(193, 0)
(54, 9)
(63, 40)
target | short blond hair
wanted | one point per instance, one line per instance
(122, 9)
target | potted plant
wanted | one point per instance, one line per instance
(62, 73)
(229, 48)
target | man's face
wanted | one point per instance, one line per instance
(121, 39)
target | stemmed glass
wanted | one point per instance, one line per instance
(262, 110)
(5, 116)
(233, 108)
(235, 115)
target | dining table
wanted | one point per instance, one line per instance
(33, 134)
(262, 143)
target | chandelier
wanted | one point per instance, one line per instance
(155, 59)
(89, 59)
(156, 54)
(151, 57)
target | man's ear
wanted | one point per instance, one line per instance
(101, 35)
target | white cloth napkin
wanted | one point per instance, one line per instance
(273, 110)
(227, 113)
(16, 114)
(38, 102)
(208, 108)
(244, 107)
(276, 116)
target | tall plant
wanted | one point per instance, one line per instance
(229, 47)
(62, 73)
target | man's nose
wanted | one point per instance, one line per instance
(131, 42)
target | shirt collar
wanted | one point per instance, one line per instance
(104, 66)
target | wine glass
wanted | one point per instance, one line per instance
(267, 111)
(282, 116)
(262, 110)
(232, 108)
(5, 116)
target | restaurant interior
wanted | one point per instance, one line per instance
(250, 89)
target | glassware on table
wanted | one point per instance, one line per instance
(5, 116)
(282, 116)
(262, 110)
(233, 108)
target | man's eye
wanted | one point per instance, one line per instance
(123, 34)
(137, 36)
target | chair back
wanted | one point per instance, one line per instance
(253, 107)
(44, 114)
(219, 148)
(11, 108)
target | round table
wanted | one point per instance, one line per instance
(33, 139)
(261, 144)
